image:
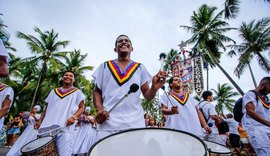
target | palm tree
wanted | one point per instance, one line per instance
(75, 61)
(151, 107)
(231, 9)
(45, 49)
(208, 36)
(169, 59)
(255, 41)
(225, 97)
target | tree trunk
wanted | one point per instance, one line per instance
(252, 76)
(36, 90)
(207, 78)
(230, 79)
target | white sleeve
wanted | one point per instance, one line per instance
(145, 76)
(98, 75)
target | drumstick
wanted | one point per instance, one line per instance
(132, 89)
(162, 56)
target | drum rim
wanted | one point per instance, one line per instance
(220, 145)
(39, 147)
(150, 128)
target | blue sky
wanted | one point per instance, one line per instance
(153, 26)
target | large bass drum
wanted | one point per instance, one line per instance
(149, 142)
(44, 146)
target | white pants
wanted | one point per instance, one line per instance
(260, 140)
(64, 144)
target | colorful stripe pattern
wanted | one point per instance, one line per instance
(181, 99)
(3, 87)
(122, 78)
(65, 93)
(264, 102)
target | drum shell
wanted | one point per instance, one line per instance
(213, 152)
(149, 142)
(48, 149)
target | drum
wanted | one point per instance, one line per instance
(149, 142)
(40, 147)
(216, 149)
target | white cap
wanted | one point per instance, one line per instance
(37, 107)
(3, 51)
(87, 109)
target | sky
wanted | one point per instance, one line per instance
(152, 25)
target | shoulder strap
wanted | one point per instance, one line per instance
(200, 102)
(202, 109)
(256, 94)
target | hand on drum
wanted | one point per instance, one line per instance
(174, 110)
(101, 116)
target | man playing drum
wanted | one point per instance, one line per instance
(65, 105)
(112, 81)
(181, 110)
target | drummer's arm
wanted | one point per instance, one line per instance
(101, 114)
(5, 106)
(75, 116)
(36, 126)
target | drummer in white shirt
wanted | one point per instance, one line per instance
(65, 105)
(181, 110)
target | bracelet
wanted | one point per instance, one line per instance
(74, 117)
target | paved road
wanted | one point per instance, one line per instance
(3, 151)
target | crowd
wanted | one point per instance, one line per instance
(124, 80)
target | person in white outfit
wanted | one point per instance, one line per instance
(65, 105)
(4, 59)
(112, 81)
(84, 135)
(28, 134)
(181, 110)
(6, 99)
(256, 119)
(212, 118)
(234, 137)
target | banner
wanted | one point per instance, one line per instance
(189, 70)
(198, 76)
(183, 69)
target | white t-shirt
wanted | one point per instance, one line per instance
(233, 126)
(61, 107)
(187, 119)
(208, 110)
(4, 92)
(259, 109)
(114, 84)
(32, 121)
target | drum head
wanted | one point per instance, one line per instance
(149, 142)
(36, 144)
(217, 148)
